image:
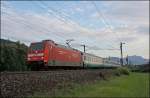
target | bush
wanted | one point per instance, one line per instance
(117, 72)
(122, 70)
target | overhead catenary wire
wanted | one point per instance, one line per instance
(101, 16)
(59, 35)
(56, 16)
(29, 24)
(25, 23)
(61, 15)
(20, 20)
(105, 40)
(110, 41)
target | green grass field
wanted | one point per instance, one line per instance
(134, 85)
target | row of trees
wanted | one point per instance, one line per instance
(12, 56)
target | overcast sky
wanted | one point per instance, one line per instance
(98, 24)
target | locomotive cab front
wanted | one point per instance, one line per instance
(35, 52)
(35, 55)
(39, 54)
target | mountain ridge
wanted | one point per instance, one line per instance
(132, 60)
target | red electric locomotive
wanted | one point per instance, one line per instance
(47, 54)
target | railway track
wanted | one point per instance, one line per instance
(27, 82)
(55, 71)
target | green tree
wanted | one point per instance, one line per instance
(13, 56)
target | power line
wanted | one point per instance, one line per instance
(48, 30)
(28, 25)
(97, 48)
(61, 15)
(104, 20)
(56, 16)
(107, 41)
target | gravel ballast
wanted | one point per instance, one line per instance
(14, 84)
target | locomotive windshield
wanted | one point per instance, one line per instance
(37, 46)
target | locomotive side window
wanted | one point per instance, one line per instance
(36, 46)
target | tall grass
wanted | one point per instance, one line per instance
(133, 85)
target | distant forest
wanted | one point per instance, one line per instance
(12, 56)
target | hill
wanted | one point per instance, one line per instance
(134, 60)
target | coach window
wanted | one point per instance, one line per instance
(84, 57)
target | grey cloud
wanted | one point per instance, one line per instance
(36, 27)
(143, 30)
(130, 9)
(129, 39)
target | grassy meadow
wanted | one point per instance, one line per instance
(134, 85)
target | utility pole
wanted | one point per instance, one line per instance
(127, 60)
(83, 47)
(121, 60)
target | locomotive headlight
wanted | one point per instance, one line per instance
(30, 55)
(29, 58)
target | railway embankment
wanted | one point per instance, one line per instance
(27, 83)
